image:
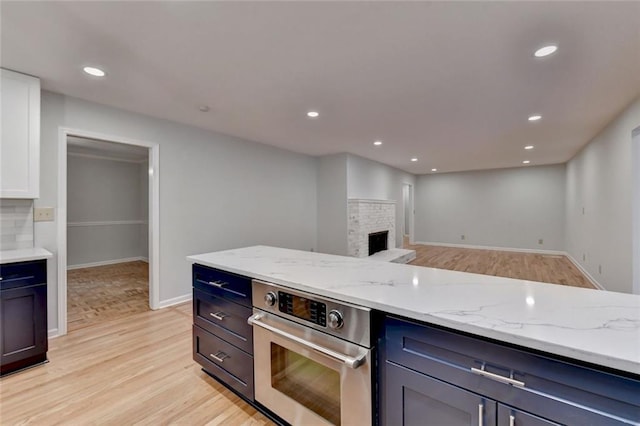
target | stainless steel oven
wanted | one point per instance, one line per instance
(312, 357)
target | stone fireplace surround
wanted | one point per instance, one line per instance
(365, 217)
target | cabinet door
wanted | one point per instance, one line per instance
(509, 416)
(23, 312)
(411, 398)
(20, 143)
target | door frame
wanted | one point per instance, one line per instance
(153, 212)
(412, 210)
(635, 210)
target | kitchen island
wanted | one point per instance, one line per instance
(553, 325)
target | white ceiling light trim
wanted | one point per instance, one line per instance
(96, 72)
(526, 162)
(546, 51)
(535, 117)
(414, 159)
(434, 170)
(528, 147)
(377, 143)
(313, 114)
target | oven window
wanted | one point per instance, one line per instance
(311, 384)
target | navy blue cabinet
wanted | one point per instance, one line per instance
(420, 400)
(431, 374)
(222, 339)
(23, 315)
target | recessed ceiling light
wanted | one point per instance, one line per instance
(535, 117)
(414, 159)
(313, 114)
(204, 108)
(545, 51)
(528, 147)
(96, 72)
(526, 162)
(434, 170)
(377, 143)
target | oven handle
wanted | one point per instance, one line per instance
(352, 362)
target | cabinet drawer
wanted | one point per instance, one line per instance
(562, 391)
(223, 318)
(223, 284)
(223, 360)
(21, 274)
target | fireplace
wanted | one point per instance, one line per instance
(378, 241)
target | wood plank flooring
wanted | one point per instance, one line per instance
(106, 292)
(526, 266)
(133, 370)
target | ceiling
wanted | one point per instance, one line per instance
(119, 151)
(451, 83)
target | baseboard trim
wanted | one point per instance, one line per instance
(584, 272)
(107, 262)
(53, 333)
(174, 301)
(512, 249)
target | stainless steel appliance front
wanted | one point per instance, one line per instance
(305, 375)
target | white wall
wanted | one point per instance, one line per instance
(511, 208)
(102, 194)
(332, 204)
(367, 179)
(600, 180)
(216, 192)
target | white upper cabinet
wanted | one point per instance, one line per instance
(20, 143)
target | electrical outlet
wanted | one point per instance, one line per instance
(583, 210)
(600, 269)
(540, 241)
(584, 257)
(462, 237)
(43, 214)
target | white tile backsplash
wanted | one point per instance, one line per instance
(16, 224)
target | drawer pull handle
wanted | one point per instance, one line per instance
(218, 283)
(480, 414)
(218, 315)
(497, 377)
(219, 356)
(512, 421)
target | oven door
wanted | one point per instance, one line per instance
(308, 377)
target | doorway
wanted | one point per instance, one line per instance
(407, 208)
(108, 228)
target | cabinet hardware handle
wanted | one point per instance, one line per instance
(219, 356)
(219, 315)
(351, 362)
(512, 420)
(480, 414)
(497, 377)
(218, 283)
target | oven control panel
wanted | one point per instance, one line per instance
(303, 308)
(334, 317)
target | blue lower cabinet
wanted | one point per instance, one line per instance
(414, 399)
(434, 376)
(509, 416)
(222, 339)
(23, 315)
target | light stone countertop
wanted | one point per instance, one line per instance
(598, 327)
(23, 255)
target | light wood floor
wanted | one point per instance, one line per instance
(526, 266)
(106, 292)
(133, 370)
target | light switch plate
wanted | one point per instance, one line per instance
(43, 214)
